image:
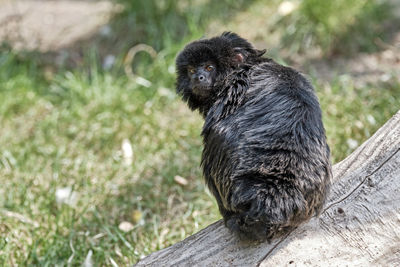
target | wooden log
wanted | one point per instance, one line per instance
(360, 225)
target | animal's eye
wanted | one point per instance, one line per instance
(209, 68)
(191, 70)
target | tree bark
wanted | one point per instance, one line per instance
(360, 225)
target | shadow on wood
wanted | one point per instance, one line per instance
(360, 225)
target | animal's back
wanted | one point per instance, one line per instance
(274, 144)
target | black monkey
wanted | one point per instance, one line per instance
(265, 155)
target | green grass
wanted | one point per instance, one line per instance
(68, 133)
(337, 27)
(351, 114)
(65, 129)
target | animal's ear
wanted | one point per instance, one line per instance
(242, 47)
(239, 55)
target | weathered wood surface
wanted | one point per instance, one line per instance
(360, 225)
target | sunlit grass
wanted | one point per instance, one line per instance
(68, 132)
(71, 137)
(351, 114)
(65, 129)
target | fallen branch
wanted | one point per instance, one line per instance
(360, 225)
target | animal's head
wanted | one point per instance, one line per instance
(204, 63)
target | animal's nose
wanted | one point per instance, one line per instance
(201, 77)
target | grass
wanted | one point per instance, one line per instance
(69, 134)
(65, 129)
(315, 24)
(351, 114)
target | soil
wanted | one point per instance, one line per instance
(50, 25)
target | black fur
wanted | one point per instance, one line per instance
(265, 155)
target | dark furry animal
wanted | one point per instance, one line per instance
(265, 155)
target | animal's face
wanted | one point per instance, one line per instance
(203, 65)
(199, 66)
(202, 77)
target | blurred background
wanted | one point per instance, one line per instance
(99, 159)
